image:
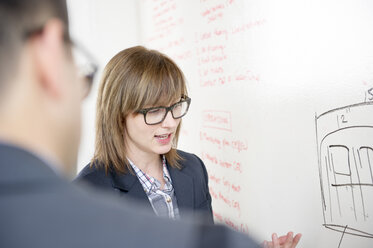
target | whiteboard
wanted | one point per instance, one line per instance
(281, 110)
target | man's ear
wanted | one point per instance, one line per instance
(48, 57)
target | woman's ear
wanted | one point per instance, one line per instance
(123, 125)
(48, 49)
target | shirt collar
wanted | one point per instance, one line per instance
(150, 183)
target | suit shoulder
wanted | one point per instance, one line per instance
(93, 173)
(190, 161)
(189, 156)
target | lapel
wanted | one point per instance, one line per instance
(129, 186)
(184, 189)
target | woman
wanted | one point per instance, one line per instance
(141, 101)
(142, 98)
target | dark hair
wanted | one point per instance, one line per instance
(17, 19)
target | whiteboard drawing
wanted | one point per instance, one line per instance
(345, 160)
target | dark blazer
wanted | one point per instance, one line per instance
(190, 184)
(41, 210)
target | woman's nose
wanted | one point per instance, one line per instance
(169, 121)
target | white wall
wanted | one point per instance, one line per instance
(282, 63)
(104, 28)
(258, 72)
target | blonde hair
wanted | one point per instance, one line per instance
(133, 79)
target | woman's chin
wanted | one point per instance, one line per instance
(163, 149)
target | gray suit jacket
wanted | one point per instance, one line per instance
(38, 209)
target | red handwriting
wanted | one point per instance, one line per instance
(210, 158)
(214, 70)
(234, 204)
(247, 26)
(156, 37)
(183, 55)
(217, 119)
(225, 182)
(213, 194)
(234, 144)
(213, 58)
(218, 216)
(215, 12)
(225, 33)
(237, 145)
(230, 185)
(207, 35)
(163, 8)
(238, 226)
(165, 21)
(214, 179)
(211, 55)
(211, 139)
(210, 48)
(177, 42)
(247, 76)
(236, 166)
(167, 25)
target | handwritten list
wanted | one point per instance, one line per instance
(207, 48)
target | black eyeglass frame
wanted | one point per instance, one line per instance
(170, 108)
(89, 76)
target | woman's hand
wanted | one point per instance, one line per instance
(286, 241)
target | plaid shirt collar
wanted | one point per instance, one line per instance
(150, 184)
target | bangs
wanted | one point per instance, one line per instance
(162, 83)
(134, 79)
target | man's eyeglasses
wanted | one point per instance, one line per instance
(87, 67)
(156, 115)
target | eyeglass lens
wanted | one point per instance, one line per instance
(86, 68)
(157, 115)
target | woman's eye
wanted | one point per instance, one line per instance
(177, 106)
(154, 111)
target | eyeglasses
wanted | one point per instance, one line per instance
(87, 67)
(156, 115)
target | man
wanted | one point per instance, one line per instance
(40, 100)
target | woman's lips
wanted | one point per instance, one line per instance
(163, 139)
